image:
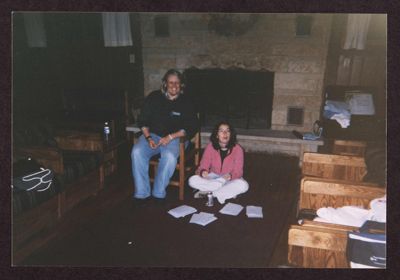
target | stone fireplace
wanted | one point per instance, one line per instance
(257, 43)
(241, 96)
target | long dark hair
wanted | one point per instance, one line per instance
(232, 140)
(172, 72)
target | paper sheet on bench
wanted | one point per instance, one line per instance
(202, 218)
(362, 104)
(182, 211)
(254, 211)
(231, 209)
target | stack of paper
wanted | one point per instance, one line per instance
(231, 209)
(182, 211)
(202, 218)
(217, 179)
(254, 211)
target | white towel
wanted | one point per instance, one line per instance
(347, 215)
(352, 215)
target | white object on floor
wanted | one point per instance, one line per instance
(182, 211)
(254, 211)
(202, 218)
(231, 209)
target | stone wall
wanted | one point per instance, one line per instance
(270, 43)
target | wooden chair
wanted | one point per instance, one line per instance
(188, 161)
(349, 148)
(323, 245)
(338, 167)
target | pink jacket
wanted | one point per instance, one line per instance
(233, 162)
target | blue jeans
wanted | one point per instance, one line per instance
(141, 155)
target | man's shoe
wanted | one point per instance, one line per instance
(158, 202)
(139, 202)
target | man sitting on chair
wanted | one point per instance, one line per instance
(167, 114)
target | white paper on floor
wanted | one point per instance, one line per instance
(231, 209)
(202, 218)
(182, 211)
(254, 211)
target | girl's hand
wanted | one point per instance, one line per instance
(204, 173)
(227, 176)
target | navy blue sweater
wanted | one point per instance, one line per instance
(163, 116)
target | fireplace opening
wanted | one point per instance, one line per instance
(242, 97)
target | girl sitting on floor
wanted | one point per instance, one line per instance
(221, 167)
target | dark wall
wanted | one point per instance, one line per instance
(75, 58)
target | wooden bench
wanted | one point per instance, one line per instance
(339, 167)
(323, 245)
(33, 228)
(349, 148)
(80, 189)
(318, 192)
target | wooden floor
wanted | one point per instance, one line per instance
(110, 230)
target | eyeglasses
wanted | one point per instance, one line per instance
(224, 130)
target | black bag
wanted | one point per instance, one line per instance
(367, 248)
(28, 175)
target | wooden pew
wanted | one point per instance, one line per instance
(318, 192)
(350, 148)
(339, 167)
(323, 245)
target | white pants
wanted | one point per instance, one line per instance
(221, 189)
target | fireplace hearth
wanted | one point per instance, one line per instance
(240, 96)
